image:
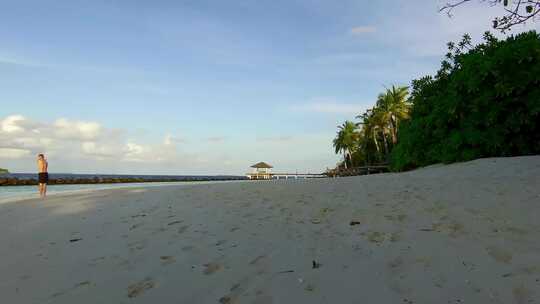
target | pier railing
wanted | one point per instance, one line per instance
(353, 171)
(267, 176)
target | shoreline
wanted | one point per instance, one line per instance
(102, 187)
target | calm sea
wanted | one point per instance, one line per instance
(9, 192)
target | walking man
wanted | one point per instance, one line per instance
(43, 176)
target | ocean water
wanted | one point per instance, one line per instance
(8, 193)
(25, 176)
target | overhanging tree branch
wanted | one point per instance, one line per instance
(517, 11)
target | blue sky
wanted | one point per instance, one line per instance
(205, 87)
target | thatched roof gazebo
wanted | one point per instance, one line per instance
(262, 165)
(261, 170)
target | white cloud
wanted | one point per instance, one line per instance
(148, 153)
(359, 30)
(13, 153)
(12, 124)
(134, 152)
(32, 142)
(88, 147)
(171, 140)
(168, 140)
(100, 150)
(79, 141)
(78, 130)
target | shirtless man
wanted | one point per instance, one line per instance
(43, 176)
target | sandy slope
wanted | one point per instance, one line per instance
(464, 233)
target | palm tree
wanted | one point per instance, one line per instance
(394, 107)
(381, 128)
(369, 128)
(375, 128)
(378, 127)
(346, 140)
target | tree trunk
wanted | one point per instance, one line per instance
(393, 122)
(386, 147)
(376, 142)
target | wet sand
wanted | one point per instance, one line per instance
(463, 233)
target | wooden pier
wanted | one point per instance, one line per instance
(277, 176)
(262, 171)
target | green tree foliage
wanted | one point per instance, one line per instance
(346, 141)
(483, 102)
(376, 133)
(392, 106)
(3, 171)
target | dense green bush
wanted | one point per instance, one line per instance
(483, 102)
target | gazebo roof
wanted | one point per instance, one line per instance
(261, 165)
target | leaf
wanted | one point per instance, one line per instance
(529, 9)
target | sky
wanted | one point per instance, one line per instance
(206, 87)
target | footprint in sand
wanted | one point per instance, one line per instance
(135, 246)
(264, 299)
(137, 289)
(211, 268)
(183, 229)
(375, 236)
(221, 242)
(25, 277)
(522, 295)
(159, 230)
(121, 263)
(257, 260)
(309, 287)
(97, 260)
(174, 223)
(396, 264)
(500, 255)
(187, 248)
(236, 291)
(167, 259)
(79, 285)
(135, 226)
(396, 218)
(456, 229)
(395, 237)
(226, 300)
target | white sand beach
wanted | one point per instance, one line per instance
(461, 233)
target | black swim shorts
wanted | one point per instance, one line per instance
(43, 177)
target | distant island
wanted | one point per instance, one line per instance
(4, 171)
